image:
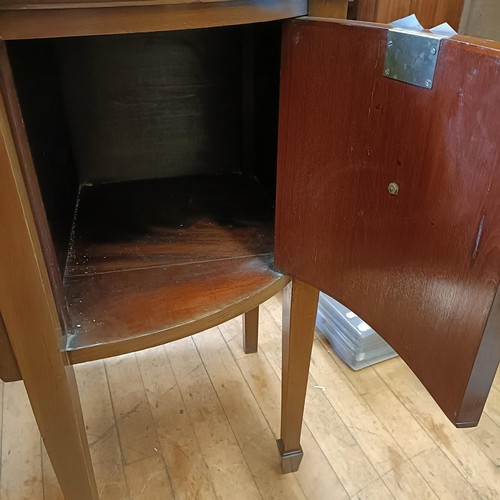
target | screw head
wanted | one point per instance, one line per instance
(390, 43)
(387, 72)
(433, 50)
(428, 83)
(393, 189)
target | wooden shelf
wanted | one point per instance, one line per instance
(152, 261)
(59, 18)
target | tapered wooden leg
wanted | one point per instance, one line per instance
(251, 331)
(300, 303)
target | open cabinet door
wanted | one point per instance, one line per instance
(389, 198)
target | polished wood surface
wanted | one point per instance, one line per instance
(143, 308)
(29, 312)
(19, 24)
(430, 13)
(422, 267)
(371, 434)
(158, 222)
(153, 261)
(130, 303)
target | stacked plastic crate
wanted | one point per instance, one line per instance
(352, 339)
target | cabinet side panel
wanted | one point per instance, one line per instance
(422, 266)
(45, 133)
(49, 194)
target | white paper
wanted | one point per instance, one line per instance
(443, 29)
(409, 22)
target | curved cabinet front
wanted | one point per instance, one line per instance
(27, 19)
(389, 198)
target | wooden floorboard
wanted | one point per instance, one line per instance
(246, 418)
(51, 488)
(102, 433)
(21, 447)
(197, 419)
(185, 463)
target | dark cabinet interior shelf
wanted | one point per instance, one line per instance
(152, 164)
(163, 255)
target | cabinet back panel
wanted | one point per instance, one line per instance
(153, 105)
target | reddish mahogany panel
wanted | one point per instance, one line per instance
(421, 267)
(154, 260)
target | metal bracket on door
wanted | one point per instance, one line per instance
(411, 56)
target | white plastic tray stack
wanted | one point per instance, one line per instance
(351, 338)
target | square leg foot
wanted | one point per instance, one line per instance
(290, 460)
(250, 350)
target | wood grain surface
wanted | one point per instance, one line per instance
(82, 4)
(328, 8)
(158, 222)
(430, 13)
(433, 13)
(152, 261)
(422, 267)
(370, 434)
(46, 23)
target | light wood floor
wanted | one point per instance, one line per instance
(198, 419)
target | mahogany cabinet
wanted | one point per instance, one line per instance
(145, 146)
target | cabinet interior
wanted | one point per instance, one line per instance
(155, 158)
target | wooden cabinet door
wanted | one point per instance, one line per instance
(421, 266)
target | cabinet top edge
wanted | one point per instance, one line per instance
(146, 16)
(23, 5)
